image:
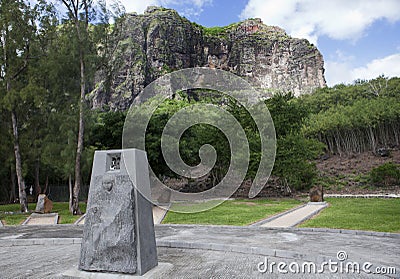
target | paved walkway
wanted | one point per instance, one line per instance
(41, 219)
(206, 251)
(292, 217)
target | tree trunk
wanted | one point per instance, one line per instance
(46, 185)
(73, 8)
(38, 189)
(12, 192)
(18, 165)
(79, 150)
(70, 192)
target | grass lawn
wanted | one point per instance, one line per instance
(65, 217)
(233, 212)
(382, 215)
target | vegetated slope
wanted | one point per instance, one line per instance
(360, 126)
(349, 174)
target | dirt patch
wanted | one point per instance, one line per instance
(355, 164)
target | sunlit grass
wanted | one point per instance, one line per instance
(233, 212)
(381, 215)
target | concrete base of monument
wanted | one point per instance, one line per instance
(158, 271)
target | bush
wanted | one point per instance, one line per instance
(293, 160)
(386, 174)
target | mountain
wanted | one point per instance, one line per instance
(147, 46)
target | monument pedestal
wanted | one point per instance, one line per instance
(118, 234)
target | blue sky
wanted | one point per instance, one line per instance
(358, 38)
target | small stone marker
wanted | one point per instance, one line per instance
(119, 230)
(44, 204)
(317, 194)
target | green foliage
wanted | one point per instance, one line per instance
(386, 174)
(287, 113)
(41, 84)
(294, 151)
(355, 118)
(214, 31)
(190, 142)
(361, 114)
(106, 132)
(218, 31)
(293, 160)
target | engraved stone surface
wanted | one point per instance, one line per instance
(119, 231)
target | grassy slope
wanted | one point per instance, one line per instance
(233, 212)
(381, 215)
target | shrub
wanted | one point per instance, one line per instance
(386, 174)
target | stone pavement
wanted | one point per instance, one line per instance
(207, 251)
(294, 216)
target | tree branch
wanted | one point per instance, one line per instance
(24, 66)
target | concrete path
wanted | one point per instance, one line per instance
(294, 217)
(207, 251)
(41, 219)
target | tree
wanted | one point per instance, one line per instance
(78, 13)
(294, 152)
(18, 31)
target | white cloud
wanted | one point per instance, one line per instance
(389, 66)
(138, 6)
(342, 71)
(338, 19)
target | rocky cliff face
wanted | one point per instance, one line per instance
(148, 46)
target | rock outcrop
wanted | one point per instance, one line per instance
(145, 47)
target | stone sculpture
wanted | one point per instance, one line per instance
(119, 229)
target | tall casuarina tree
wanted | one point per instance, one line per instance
(17, 31)
(78, 14)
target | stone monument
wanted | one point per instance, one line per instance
(317, 194)
(119, 230)
(44, 204)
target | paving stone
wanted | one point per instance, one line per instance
(245, 248)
